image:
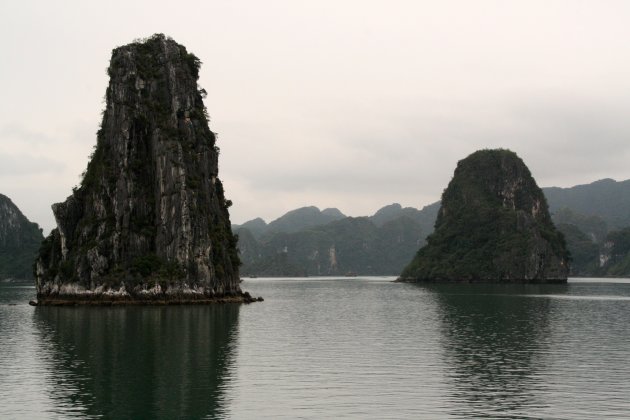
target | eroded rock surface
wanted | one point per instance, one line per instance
(19, 242)
(149, 221)
(493, 226)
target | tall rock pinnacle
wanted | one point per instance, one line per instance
(149, 221)
(493, 226)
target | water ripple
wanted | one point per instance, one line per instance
(322, 348)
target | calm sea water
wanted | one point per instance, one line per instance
(326, 348)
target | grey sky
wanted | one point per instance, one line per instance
(347, 104)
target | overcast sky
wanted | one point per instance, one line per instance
(353, 104)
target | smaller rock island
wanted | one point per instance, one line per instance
(149, 222)
(493, 226)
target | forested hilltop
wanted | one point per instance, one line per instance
(590, 216)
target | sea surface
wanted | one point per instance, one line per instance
(326, 348)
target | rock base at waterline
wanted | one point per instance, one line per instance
(158, 300)
(72, 294)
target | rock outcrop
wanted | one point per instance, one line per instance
(149, 222)
(19, 241)
(493, 226)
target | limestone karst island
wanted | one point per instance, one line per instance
(493, 226)
(149, 221)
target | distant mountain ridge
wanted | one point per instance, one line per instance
(19, 241)
(350, 245)
(425, 217)
(304, 218)
(606, 198)
(292, 221)
(594, 219)
(305, 242)
(584, 213)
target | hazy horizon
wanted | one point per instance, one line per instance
(353, 105)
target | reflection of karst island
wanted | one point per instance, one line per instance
(124, 363)
(494, 337)
(149, 222)
(493, 226)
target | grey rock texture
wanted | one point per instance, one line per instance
(149, 220)
(493, 226)
(19, 242)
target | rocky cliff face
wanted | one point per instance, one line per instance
(614, 254)
(493, 226)
(19, 241)
(149, 221)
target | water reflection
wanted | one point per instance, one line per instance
(139, 362)
(494, 338)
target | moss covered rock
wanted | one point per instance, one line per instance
(493, 226)
(19, 241)
(149, 220)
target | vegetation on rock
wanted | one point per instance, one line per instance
(150, 210)
(595, 251)
(19, 241)
(615, 254)
(493, 225)
(584, 252)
